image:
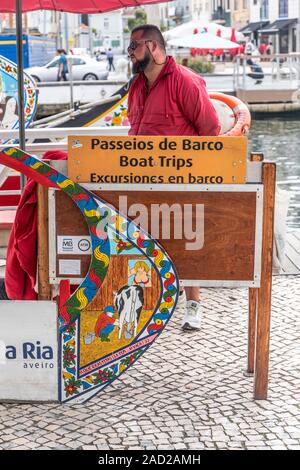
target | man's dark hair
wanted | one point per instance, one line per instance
(150, 31)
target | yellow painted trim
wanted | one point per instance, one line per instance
(106, 112)
(11, 42)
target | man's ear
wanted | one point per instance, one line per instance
(154, 45)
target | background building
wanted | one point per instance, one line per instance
(275, 21)
(107, 30)
(239, 13)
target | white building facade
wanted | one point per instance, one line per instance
(201, 9)
(108, 30)
(84, 31)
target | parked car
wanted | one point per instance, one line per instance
(79, 51)
(83, 67)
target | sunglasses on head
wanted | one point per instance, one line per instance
(134, 43)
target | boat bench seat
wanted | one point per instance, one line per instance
(7, 218)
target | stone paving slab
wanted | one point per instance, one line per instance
(189, 391)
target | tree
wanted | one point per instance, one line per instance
(139, 19)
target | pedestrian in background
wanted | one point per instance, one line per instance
(262, 49)
(62, 65)
(269, 49)
(110, 58)
(250, 48)
(256, 72)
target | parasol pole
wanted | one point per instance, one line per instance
(19, 34)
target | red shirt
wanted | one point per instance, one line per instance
(262, 48)
(177, 104)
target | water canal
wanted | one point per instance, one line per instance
(279, 140)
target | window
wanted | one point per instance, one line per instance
(245, 4)
(283, 8)
(77, 61)
(264, 10)
(53, 64)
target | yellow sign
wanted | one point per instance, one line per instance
(157, 159)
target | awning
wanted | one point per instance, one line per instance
(278, 25)
(203, 41)
(253, 27)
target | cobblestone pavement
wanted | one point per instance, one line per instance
(188, 392)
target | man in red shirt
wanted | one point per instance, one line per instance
(168, 99)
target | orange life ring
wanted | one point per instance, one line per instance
(240, 110)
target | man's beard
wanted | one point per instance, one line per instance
(141, 65)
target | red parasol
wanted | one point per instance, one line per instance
(233, 52)
(193, 50)
(219, 52)
(74, 6)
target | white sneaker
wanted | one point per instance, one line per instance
(192, 317)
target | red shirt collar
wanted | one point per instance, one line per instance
(168, 68)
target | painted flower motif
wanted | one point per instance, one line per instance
(108, 118)
(116, 120)
(131, 358)
(104, 376)
(124, 112)
(125, 122)
(8, 68)
(68, 356)
(128, 360)
(72, 386)
(70, 389)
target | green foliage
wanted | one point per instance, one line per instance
(201, 66)
(140, 18)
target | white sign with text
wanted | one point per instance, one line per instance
(28, 350)
(74, 245)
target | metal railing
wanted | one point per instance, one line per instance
(278, 70)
